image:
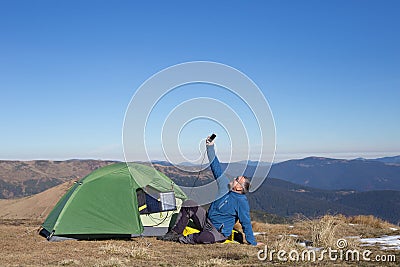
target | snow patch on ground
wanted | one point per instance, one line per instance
(385, 242)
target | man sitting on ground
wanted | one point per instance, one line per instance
(216, 225)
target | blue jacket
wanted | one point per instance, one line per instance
(229, 206)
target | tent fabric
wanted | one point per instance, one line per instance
(105, 202)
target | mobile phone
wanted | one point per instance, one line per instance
(211, 138)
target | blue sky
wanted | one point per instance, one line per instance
(330, 70)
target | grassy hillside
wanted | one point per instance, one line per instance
(35, 207)
(25, 178)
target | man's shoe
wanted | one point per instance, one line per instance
(170, 236)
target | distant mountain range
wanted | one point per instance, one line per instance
(330, 174)
(395, 159)
(287, 199)
(22, 178)
(312, 186)
(335, 174)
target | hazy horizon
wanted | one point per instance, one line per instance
(346, 156)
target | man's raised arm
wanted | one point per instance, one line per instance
(221, 178)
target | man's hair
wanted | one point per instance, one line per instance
(246, 185)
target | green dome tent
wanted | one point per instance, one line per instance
(111, 203)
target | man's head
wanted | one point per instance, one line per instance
(240, 184)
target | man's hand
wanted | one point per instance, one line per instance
(260, 244)
(208, 142)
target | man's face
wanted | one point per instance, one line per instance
(236, 184)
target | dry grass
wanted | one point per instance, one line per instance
(369, 220)
(322, 229)
(139, 250)
(326, 231)
(22, 246)
(213, 262)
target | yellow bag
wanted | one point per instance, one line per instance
(233, 238)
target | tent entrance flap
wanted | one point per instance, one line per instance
(155, 202)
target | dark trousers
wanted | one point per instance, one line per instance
(208, 233)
